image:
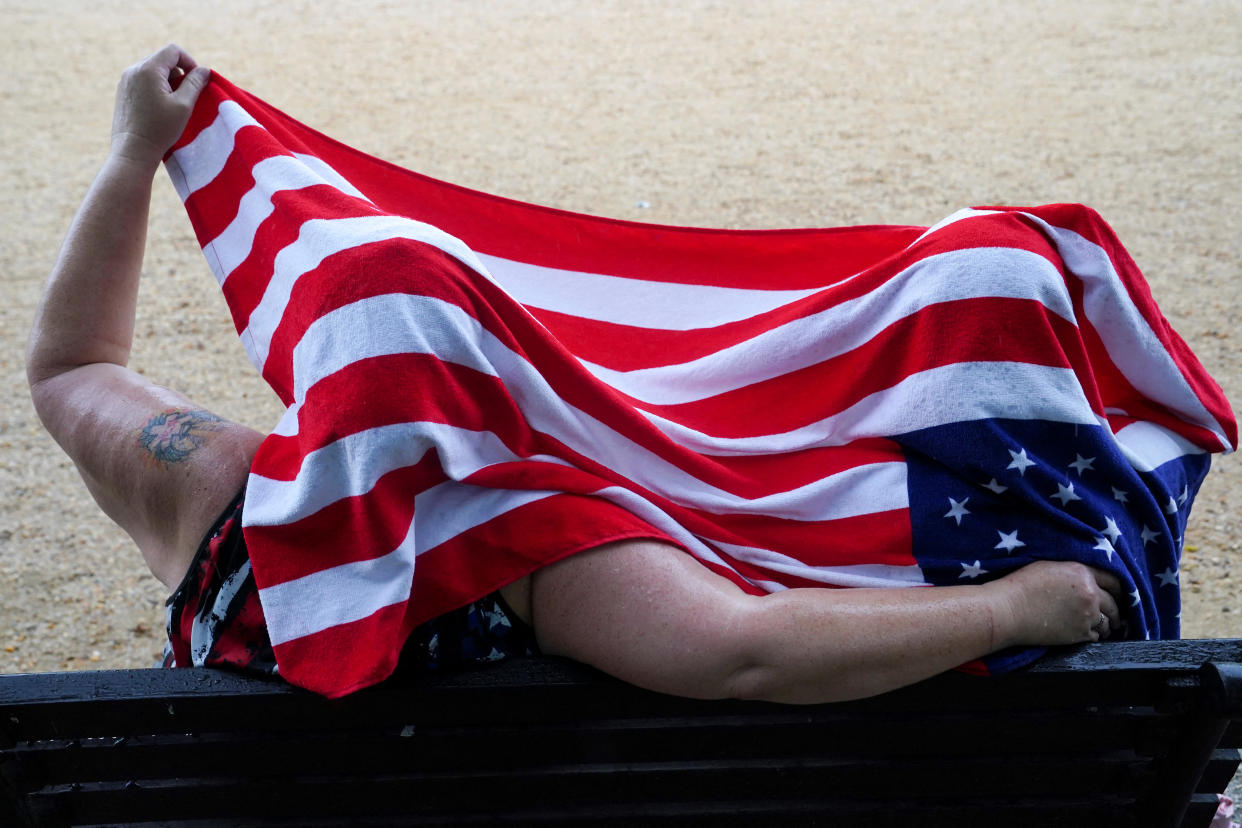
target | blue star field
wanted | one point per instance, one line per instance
(990, 496)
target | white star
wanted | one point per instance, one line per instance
(1081, 464)
(995, 487)
(1120, 495)
(1148, 535)
(1110, 529)
(1168, 577)
(1104, 545)
(973, 570)
(1134, 597)
(1171, 507)
(957, 508)
(1184, 496)
(1065, 494)
(1009, 541)
(1020, 461)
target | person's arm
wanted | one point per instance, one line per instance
(157, 464)
(650, 614)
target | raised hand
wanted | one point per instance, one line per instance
(153, 102)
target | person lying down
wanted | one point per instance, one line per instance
(800, 466)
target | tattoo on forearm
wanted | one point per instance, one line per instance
(173, 436)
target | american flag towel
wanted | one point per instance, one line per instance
(477, 387)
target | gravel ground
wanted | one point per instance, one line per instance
(781, 113)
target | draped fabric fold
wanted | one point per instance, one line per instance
(477, 387)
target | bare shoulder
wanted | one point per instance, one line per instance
(161, 466)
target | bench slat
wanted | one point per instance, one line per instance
(139, 756)
(605, 792)
(1113, 734)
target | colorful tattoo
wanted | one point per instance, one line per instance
(172, 436)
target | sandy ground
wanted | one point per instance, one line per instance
(759, 114)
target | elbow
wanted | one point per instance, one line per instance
(42, 363)
(755, 681)
(766, 663)
(771, 683)
(771, 663)
(43, 394)
(48, 358)
(756, 663)
(57, 346)
(766, 671)
(38, 373)
(768, 682)
(45, 372)
(37, 369)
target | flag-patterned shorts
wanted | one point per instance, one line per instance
(214, 618)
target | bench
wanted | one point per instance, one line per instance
(1134, 734)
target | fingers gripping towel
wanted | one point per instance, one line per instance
(477, 387)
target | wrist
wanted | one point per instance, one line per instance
(135, 151)
(1004, 612)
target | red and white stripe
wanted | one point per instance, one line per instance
(477, 387)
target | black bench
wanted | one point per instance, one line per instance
(1136, 734)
